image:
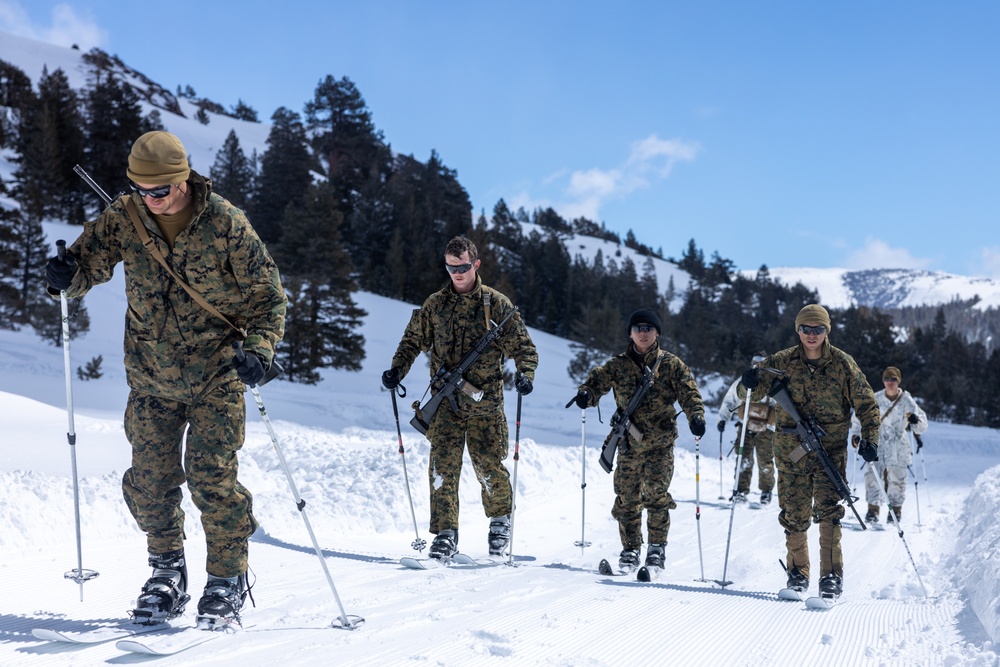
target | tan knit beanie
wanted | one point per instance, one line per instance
(813, 314)
(158, 158)
(892, 372)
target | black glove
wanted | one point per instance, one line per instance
(855, 440)
(582, 399)
(390, 379)
(250, 370)
(722, 425)
(868, 451)
(697, 426)
(750, 378)
(523, 385)
(59, 272)
(920, 442)
(913, 418)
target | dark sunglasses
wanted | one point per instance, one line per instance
(889, 380)
(812, 331)
(643, 328)
(458, 268)
(159, 192)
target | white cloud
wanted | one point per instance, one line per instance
(582, 193)
(877, 254)
(67, 27)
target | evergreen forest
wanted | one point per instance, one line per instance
(340, 211)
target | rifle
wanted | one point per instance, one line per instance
(446, 382)
(810, 432)
(621, 421)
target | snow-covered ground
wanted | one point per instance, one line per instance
(553, 608)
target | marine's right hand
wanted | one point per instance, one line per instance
(59, 271)
(750, 378)
(390, 378)
(582, 399)
(722, 425)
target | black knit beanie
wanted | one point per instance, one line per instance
(644, 316)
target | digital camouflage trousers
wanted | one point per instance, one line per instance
(806, 495)
(163, 459)
(642, 480)
(487, 439)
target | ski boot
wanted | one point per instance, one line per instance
(655, 556)
(797, 581)
(831, 586)
(499, 537)
(445, 544)
(164, 595)
(222, 601)
(628, 560)
(740, 497)
(765, 497)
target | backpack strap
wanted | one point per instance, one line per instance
(147, 242)
(486, 306)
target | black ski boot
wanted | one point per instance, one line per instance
(831, 586)
(765, 497)
(740, 497)
(655, 556)
(221, 602)
(797, 581)
(445, 545)
(499, 536)
(164, 595)
(628, 560)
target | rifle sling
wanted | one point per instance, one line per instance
(147, 242)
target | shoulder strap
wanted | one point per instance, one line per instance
(886, 413)
(486, 306)
(148, 243)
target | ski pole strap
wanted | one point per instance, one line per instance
(148, 243)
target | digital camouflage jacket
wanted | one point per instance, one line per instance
(655, 417)
(827, 391)
(448, 325)
(174, 348)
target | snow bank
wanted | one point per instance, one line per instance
(977, 560)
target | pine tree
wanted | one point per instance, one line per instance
(50, 142)
(285, 174)
(232, 173)
(244, 111)
(16, 96)
(322, 317)
(114, 122)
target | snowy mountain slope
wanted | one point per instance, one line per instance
(890, 288)
(340, 441)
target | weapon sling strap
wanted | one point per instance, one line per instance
(147, 242)
(486, 307)
(886, 413)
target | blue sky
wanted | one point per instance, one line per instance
(826, 134)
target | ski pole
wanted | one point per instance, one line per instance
(920, 448)
(736, 480)
(346, 622)
(697, 501)
(722, 496)
(916, 487)
(899, 529)
(582, 542)
(513, 495)
(854, 469)
(418, 543)
(79, 575)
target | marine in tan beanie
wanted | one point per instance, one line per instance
(158, 158)
(813, 314)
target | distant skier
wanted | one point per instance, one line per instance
(186, 414)
(448, 325)
(645, 469)
(899, 413)
(760, 432)
(825, 383)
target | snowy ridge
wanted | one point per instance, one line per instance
(890, 288)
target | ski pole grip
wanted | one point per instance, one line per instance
(61, 249)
